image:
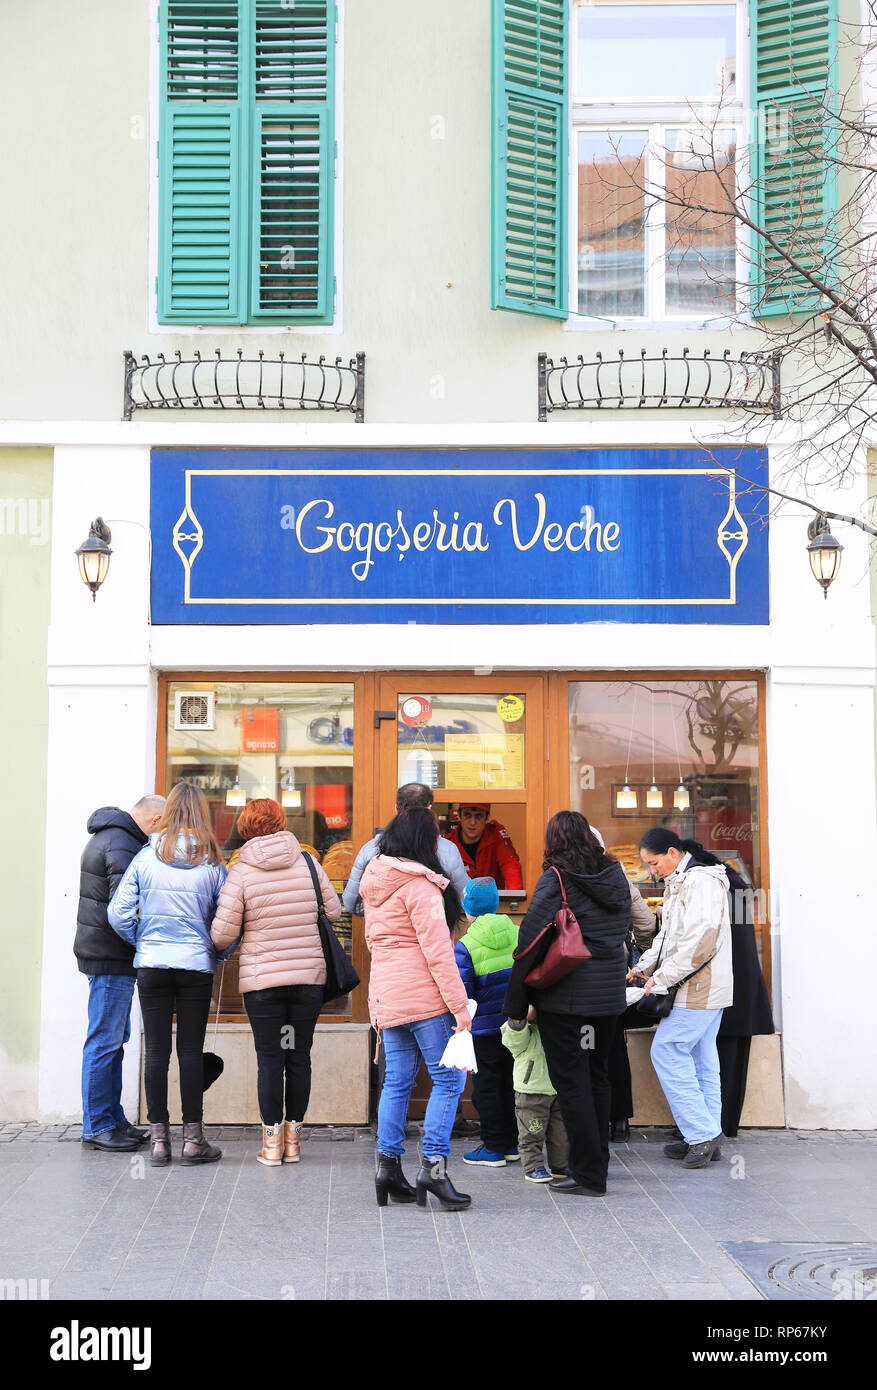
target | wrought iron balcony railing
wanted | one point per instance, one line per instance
(244, 383)
(750, 381)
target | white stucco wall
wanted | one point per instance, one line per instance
(819, 656)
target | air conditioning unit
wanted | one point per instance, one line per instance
(194, 709)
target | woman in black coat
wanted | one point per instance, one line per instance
(577, 1015)
(750, 1012)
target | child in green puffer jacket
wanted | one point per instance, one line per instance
(537, 1108)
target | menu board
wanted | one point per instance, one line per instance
(493, 764)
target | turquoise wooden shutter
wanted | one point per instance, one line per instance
(529, 146)
(292, 162)
(200, 160)
(794, 66)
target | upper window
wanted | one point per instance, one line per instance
(656, 120)
(246, 161)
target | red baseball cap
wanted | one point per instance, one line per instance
(476, 805)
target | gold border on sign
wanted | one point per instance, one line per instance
(731, 528)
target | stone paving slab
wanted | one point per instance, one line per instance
(108, 1227)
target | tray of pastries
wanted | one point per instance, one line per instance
(338, 860)
(628, 857)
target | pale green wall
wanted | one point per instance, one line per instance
(416, 252)
(25, 512)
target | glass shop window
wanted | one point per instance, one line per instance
(292, 742)
(677, 753)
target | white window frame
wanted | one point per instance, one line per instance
(655, 115)
(236, 330)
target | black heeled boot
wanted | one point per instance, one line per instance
(390, 1181)
(433, 1177)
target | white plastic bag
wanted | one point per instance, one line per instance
(460, 1050)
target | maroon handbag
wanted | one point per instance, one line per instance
(565, 951)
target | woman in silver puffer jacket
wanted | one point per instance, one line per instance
(164, 906)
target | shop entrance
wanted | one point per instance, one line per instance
(480, 743)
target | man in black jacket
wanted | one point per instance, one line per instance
(107, 960)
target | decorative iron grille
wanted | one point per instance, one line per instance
(750, 381)
(243, 383)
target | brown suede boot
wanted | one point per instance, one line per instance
(292, 1141)
(271, 1152)
(196, 1149)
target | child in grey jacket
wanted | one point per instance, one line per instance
(537, 1108)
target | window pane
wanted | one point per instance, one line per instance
(290, 742)
(612, 245)
(701, 250)
(675, 753)
(471, 742)
(668, 51)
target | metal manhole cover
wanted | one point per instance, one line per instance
(790, 1270)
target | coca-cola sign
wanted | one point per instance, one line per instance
(731, 832)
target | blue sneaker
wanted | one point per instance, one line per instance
(512, 1156)
(485, 1158)
(538, 1175)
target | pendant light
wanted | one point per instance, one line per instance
(654, 795)
(625, 797)
(236, 796)
(290, 794)
(681, 798)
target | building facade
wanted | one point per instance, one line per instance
(430, 448)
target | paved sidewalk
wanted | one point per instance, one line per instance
(106, 1226)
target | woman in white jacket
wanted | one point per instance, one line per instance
(692, 951)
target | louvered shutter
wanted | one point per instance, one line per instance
(529, 156)
(292, 161)
(794, 62)
(200, 159)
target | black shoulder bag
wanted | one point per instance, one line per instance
(341, 977)
(658, 1006)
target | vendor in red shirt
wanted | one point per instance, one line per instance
(486, 846)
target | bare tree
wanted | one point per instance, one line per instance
(806, 282)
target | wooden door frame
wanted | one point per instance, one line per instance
(529, 684)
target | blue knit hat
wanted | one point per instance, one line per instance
(481, 896)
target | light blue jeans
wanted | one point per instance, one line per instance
(109, 1027)
(686, 1060)
(404, 1046)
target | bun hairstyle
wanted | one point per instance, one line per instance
(263, 816)
(413, 834)
(660, 839)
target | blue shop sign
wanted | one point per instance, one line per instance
(458, 536)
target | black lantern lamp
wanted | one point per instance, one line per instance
(94, 556)
(824, 552)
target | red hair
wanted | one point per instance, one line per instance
(261, 817)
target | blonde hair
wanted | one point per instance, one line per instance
(186, 813)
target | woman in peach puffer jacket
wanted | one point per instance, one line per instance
(269, 895)
(416, 1000)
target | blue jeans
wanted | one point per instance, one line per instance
(686, 1060)
(109, 1027)
(403, 1048)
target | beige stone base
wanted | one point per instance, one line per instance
(339, 1088)
(764, 1088)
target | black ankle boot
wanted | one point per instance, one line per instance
(620, 1131)
(433, 1177)
(390, 1181)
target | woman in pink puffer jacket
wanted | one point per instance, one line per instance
(416, 1000)
(269, 896)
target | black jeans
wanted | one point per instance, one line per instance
(283, 1020)
(160, 992)
(578, 1067)
(621, 1105)
(493, 1093)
